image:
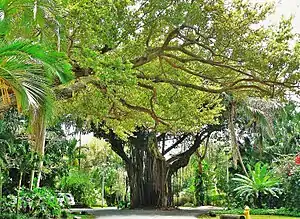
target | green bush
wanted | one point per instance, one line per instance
(12, 216)
(78, 183)
(64, 214)
(39, 203)
(8, 204)
(184, 197)
(218, 199)
(188, 204)
(291, 194)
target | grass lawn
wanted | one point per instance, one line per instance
(256, 217)
(271, 217)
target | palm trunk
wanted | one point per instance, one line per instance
(18, 193)
(41, 149)
(39, 174)
(31, 179)
(1, 183)
(35, 8)
(236, 155)
(102, 189)
(39, 133)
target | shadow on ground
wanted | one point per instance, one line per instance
(183, 213)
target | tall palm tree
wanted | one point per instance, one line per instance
(40, 65)
(260, 112)
(27, 71)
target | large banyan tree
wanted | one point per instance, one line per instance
(150, 69)
(147, 69)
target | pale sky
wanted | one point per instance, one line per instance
(285, 8)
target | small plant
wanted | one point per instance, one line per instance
(261, 182)
(123, 204)
(64, 214)
(7, 205)
(39, 203)
(12, 216)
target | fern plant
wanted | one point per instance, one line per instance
(260, 183)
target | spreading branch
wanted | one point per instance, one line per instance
(178, 142)
(182, 159)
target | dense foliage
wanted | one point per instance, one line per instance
(273, 184)
(79, 184)
(165, 84)
(261, 182)
(38, 203)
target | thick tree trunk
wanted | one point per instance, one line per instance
(147, 173)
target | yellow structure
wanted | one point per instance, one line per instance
(247, 212)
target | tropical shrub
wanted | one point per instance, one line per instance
(78, 183)
(260, 183)
(12, 216)
(8, 204)
(38, 203)
(291, 193)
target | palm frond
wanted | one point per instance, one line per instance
(28, 71)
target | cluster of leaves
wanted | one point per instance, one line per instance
(12, 216)
(15, 147)
(291, 193)
(260, 182)
(286, 138)
(210, 183)
(38, 203)
(101, 161)
(78, 183)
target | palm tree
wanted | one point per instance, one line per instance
(43, 22)
(260, 112)
(260, 182)
(26, 74)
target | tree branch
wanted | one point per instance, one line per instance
(200, 88)
(144, 110)
(182, 159)
(117, 145)
(180, 140)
